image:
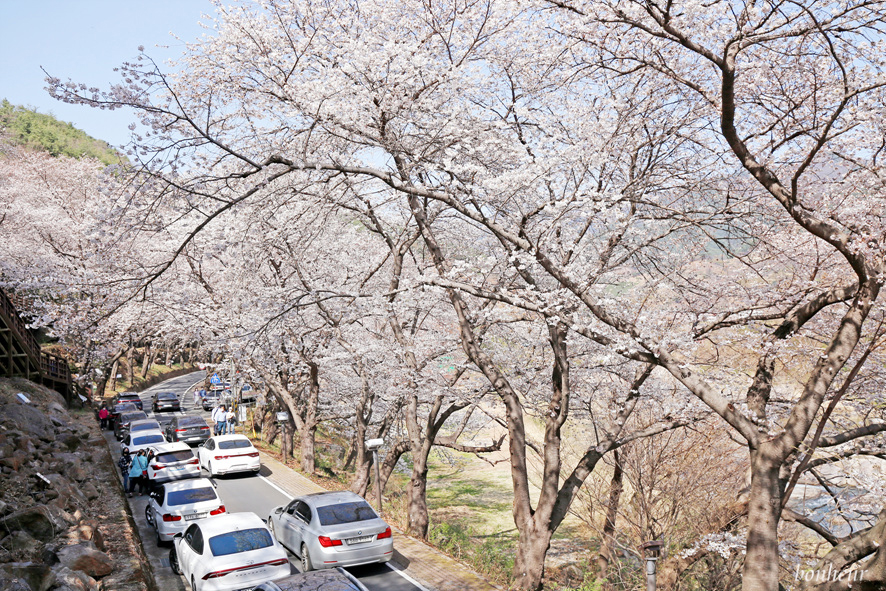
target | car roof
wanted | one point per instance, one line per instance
(163, 448)
(336, 579)
(232, 437)
(133, 413)
(227, 522)
(145, 422)
(128, 395)
(322, 499)
(188, 484)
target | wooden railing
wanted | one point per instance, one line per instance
(52, 367)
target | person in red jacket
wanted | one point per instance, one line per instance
(103, 415)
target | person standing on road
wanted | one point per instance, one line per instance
(220, 416)
(125, 463)
(196, 396)
(229, 419)
(103, 415)
(136, 470)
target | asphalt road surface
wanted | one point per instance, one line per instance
(239, 493)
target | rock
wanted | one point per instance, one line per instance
(40, 522)
(3, 508)
(85, 557)
(15, 461)
(72, 580)
(10, 582)
(30, 418)
(90, 491)
(72, 442)
(39, 577)
(21, 543)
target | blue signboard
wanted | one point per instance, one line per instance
(215, 379)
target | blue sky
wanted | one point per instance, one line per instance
(85, 40)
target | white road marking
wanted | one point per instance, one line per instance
(280, 490)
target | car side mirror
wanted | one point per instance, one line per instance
(278, 510)
(178, 535)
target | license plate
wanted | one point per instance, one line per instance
(194, 438)
(195, 516)
(178, 467)
(360, 540)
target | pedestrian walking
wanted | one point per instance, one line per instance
(196, 396)
(230, 419)
(125, 463)
(220, 416)
(137, 472)
(103, 415)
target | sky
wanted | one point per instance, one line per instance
(84, 40)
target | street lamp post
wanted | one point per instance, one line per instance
(373, 445)
(652, 550)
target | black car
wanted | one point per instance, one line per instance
(189, 429)
(121, 425)
(130, 397)
(165, 401)
(210, 401)
(117, 409)
(337, 579)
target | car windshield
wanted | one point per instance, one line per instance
(146, 439)
(191, 422)
(345, 513)
(192, 495)
(174, 456)
(144, 426)
(234, 444)
(240, 541)
(124, 406)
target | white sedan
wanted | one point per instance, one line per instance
(176, 505)
(172, 461)
(224, 454)
(228, 552)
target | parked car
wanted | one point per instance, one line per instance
(117, 409)
(224, 454)
(187, 428)
(165, 401)
(227, 552)
(211, 400)
(132, 397)
(175, 505)
(337, 579)
(121, 425)
(145, 425)
(172, 461)
(141, 440)
(332, 529)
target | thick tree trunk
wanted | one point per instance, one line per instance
(529, 563)
(607, 548)
(130, 366)
(309, 427)
(168, 361)
(764, 510)
(114, 368)
(417, 498)
(147, 361)
(307, 450)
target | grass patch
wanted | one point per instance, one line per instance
(490, 555)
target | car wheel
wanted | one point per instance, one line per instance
(149, 516)
(173, 562)
(209, 469)
(306, 563)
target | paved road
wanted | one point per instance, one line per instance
(239, 493)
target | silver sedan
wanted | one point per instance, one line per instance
(332, 529)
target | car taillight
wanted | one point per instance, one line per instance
(384, 534)
(157, 466)
(204, 428)
(221, 457)
(194, 461)
(253, 455)
(218, 511)
(180, 430)
(327, 542)
(168, 517)
(220, 573)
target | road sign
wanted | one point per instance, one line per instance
(246, 388)
(215, 379)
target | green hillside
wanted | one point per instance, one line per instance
(38, 131)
